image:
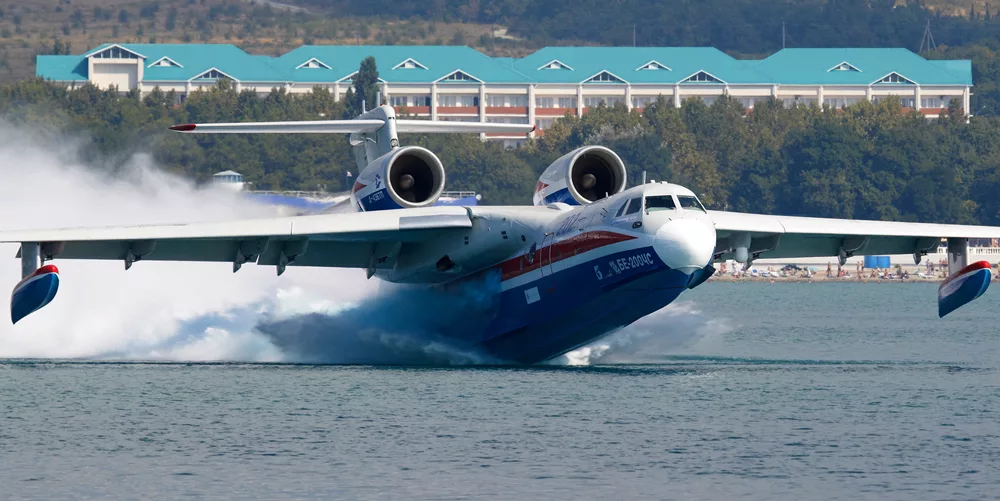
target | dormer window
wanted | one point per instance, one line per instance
(460, 77)
(313, 63)
(555, 64)
(702, 77)
(844, 66)
(895, 78)
(409, 64)
(115, 52)
(652, 65)
(165, 62)
(604, 77)
(213, 74)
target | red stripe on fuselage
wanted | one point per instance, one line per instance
(558, 251)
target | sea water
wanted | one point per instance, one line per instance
(757, 391)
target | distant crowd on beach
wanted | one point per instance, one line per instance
(927, 271)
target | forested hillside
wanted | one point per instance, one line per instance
(867, 161)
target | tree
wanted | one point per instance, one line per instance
(364, 90)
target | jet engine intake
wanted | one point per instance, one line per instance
(403, 178)
(581, 176)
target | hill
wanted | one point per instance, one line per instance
(73, 26)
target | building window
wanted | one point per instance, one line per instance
(933, 102)
(907, 102)
(566, 102)
(507, 120)
(458, 119)
(840, 102)
(595, 101)
(544, 123)
(643, 101)
(507, 100)
(402, 101)
(456, 100)
(791, 102)
(555, 102)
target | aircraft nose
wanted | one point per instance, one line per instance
(685, 244)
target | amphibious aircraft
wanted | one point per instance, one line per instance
(589, 256)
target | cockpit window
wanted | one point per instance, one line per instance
(691, 203)
(621, 209)
(655, 204)
(633, 206)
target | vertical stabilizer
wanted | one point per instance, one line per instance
(368, 146)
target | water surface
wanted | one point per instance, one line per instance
(791, 391)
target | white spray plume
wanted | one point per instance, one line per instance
(156, 309)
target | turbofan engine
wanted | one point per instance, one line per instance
(405, 177)
(580, 177)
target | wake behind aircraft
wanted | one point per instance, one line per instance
(589, 256)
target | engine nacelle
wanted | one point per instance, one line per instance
(580, 177)
(403, 178)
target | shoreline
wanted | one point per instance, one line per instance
(823, 279)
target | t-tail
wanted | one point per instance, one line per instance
(374, 133)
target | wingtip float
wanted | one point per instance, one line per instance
(35, 291)
(963, 287)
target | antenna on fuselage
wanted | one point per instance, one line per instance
(643, 177)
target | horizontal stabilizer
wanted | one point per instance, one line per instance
(443, 127)
(353, 126)
(305, 127)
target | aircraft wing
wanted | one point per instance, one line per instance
(746, 237)
(789, 236)
(328, 240)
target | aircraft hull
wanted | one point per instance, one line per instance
(558, 312)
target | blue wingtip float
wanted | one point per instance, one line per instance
(34, 292)
(962, 287)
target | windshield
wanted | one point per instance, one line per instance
(690, 203)
(655, 204)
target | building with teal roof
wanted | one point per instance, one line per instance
(460, 83)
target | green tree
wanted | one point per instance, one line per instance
(364, 91)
